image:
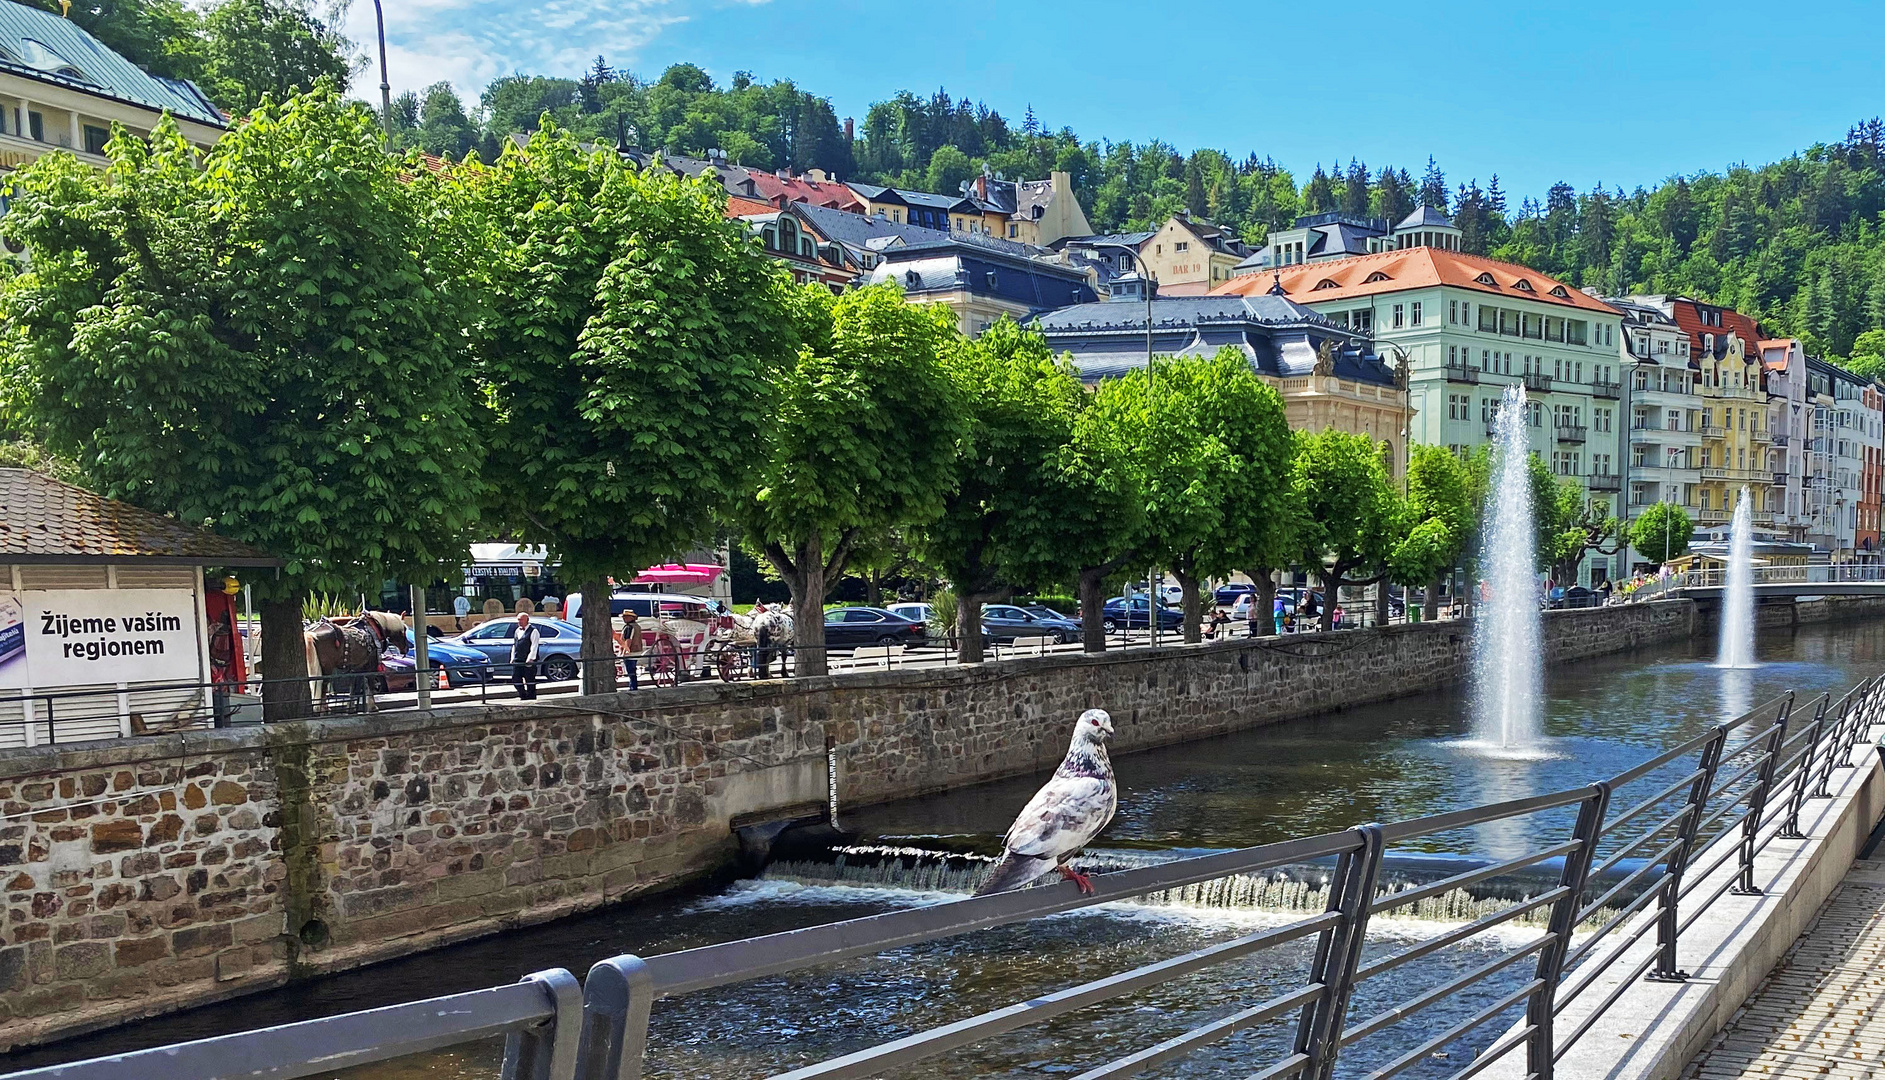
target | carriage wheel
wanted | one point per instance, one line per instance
(663, 669)
(731, 663)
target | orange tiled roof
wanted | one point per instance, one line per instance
(740, 206)
(769, 186)
(1691, 324)
(1413, 268)
(51, 521)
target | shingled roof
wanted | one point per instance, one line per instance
(47, 521)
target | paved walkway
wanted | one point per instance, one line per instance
(1821, 1014)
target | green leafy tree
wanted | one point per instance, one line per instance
(266, 341)
(862, 439)
(998, 530)
(270, 48)
(1351, 516)
(633, 335)
(1096, 486)
(1441, 518)
(1662, 532)
(1215, 449)
(1570, 524)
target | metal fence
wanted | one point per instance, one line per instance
(1639, 849)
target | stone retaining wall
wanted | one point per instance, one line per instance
(151, 874)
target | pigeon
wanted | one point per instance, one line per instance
(1064, 816)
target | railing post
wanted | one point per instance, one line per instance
(617, 996)
(1667, 923)
(1573, 879)
(1836, 753)
(548, 1052)
(1868, 709)
(1338, 952)
(1790, 828)
(1757, 800)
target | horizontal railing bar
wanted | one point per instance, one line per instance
(325, 1046)
(1448, 884)
(1773, 703)
(1695, 911)
(939, 1040)
(1419, 1053)
(1726, 809)
(1648, 836)
(1289, 1066)
(1693, 878)
(1648, 804)
(1722, 788)
(1455, 936)
(1630, 776)
(1584, 947)
(1756, 741)
(1597, 1014)
(1397, 1013)
(1496, 1051)
(736, 961)
(1204, 1035)
(1650, 865)
(1595, 971)
(1479, 815)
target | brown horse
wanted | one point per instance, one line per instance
(352, 647)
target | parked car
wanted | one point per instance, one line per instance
(1042, 611)
(1228, 595)
(1576, 596)
(559, 643)
(1134, 614)
(463, 666)
(853, 626)
(1006, 622)
(915, 612)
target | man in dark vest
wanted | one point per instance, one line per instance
(524, 658)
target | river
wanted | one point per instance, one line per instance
(1398, 760)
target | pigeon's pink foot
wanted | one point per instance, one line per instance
(1075, 876)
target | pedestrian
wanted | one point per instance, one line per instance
(632, 645)
(762, 637)
(1279, 616)
(524, 658)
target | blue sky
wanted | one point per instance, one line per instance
(1624, 94)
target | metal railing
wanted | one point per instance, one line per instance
(1645, 854)
(1830, 574)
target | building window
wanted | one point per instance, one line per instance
(1488, 319)
(1400, 316)
(1182, 246)
(1416, 319)
(95, 139)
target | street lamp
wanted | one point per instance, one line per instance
(386, 88)
(1146, 282)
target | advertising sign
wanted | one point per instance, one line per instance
(80, 637)
(12, 642)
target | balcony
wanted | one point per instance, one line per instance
(1460, 374)
(1779, 440)
(1606, 390)
(1606, 482)
(1761, 435)
(1538, 381)
(1780, 479)
(1571, 434)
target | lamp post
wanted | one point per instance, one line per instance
(1153, 603)
(386, 88)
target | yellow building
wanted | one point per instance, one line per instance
(1187, 256)
(1735, 437)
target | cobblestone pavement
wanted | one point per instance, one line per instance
(1821, 1014)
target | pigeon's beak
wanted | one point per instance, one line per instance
(1106, 728)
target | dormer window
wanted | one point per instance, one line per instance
(1328, 283)
(1558, 291)
(41, 57)
(1374, 277)
(1523, 286)
(1486, 279)
(911, 279)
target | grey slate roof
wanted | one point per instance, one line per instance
(40, 45)
(1425, 217)
(1278, 336)
(48, 521)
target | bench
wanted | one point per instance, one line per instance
(882, 654)
(1023, 644)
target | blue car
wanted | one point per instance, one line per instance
(463, 666)
(559, 643)
(1122, 614)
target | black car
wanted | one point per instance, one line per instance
(852, 626)
(1227, 595)
(1122, 614)
(1006, 622)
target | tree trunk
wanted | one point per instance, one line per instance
(1263, 608)
(597, 662)
(1193, 611)
(969, 628)
(807, 580)
(285, 693)
(1430, 610)
(1331, 588)
(1382, 613)
(1092, 605)
(873, 590)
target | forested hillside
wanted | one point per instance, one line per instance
(1796, 242)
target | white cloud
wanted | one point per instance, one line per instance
(470, 42)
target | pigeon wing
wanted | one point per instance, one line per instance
(1063, 816)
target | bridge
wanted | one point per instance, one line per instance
(1792, 582)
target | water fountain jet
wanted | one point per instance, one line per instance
(1507, 634)
(1737, 603)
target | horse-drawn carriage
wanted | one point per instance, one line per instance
(688, 641)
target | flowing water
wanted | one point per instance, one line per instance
(1507, 650)
(1396, 760)
(1737, 604)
